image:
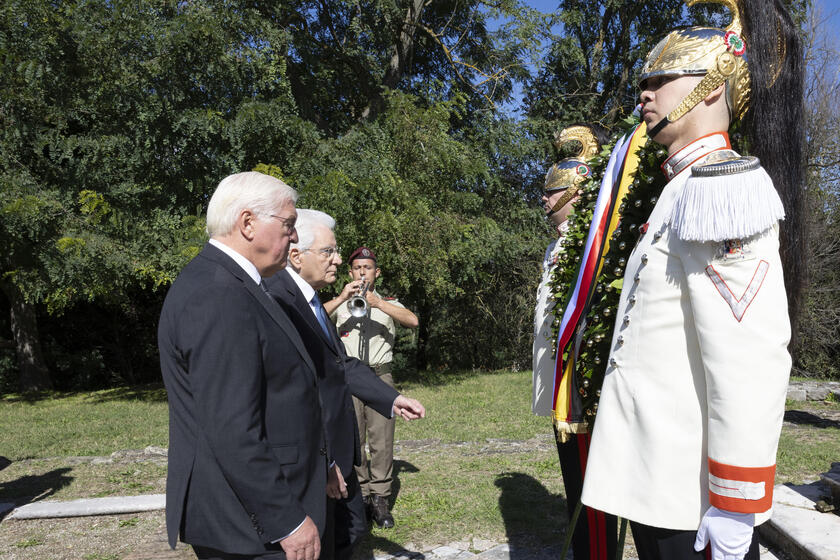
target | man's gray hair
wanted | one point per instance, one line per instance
(308, 221)
(260, 193)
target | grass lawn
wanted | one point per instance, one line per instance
(72, 424)
(479, 465)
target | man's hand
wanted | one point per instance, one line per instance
(729, 533)
(304, 543)
(350, 289)
(409, 408)
(373, 300)
(336, 487)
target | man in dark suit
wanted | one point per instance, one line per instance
(313, 263)
(247, 451)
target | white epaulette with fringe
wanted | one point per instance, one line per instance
(726, 197)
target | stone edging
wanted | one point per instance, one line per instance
(813, 390)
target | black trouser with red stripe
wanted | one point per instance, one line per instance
(596, 533)
(655, 543)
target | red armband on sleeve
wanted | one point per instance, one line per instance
(741, 489)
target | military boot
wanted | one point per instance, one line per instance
(381, 512)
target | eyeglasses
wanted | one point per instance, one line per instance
(288, 222)
(329, 251)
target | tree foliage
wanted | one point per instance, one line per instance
(820, 322)
(117, 120)
(591, 66)
(345, 55)
(452, 237)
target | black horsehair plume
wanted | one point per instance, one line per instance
(775, 127)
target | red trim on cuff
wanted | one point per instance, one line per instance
(746, 474)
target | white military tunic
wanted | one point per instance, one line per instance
(543, 356)
(693, 398)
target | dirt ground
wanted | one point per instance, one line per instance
(138, 536)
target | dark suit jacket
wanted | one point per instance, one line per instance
(247, 454)
(340, 374)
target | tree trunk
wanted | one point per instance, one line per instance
(422, 358)
(402, 53)
(33, 374)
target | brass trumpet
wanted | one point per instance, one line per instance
(358, 304)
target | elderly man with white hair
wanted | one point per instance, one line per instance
(313, 264)
(247, 454)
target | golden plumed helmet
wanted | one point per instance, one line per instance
(717, 54)
(567, 174)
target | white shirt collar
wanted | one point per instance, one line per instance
(307, 290)
(703, 146)
(246, 265)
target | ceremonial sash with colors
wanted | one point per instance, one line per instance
(620, 171)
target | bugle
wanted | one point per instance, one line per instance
(358, 304)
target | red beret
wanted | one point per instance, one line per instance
(362, 253)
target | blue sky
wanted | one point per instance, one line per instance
(829, 10)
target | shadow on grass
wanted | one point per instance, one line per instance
(810, 419)
(364, 549)
(399, 467)
(534, 518)
(152, 392)
(33, 488)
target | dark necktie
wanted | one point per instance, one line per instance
(264, 288)
(321, 314)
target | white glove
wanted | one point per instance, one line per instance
(729, 533)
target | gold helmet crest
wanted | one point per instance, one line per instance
(571, 172)
(717, 54)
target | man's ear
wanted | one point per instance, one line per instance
(377, 273)
(246, 224)
(295, 255)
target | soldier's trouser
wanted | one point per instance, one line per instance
(655, 543)
(375, 475)
(596, 532)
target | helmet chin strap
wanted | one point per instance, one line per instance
(713, 79)
(568, 195)
(658, 127)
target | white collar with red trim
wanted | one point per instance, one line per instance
(703, 146)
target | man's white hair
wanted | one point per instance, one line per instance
(260, 193)
(308, 222)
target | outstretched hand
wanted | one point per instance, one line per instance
(408, 408)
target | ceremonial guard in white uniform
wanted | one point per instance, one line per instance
(559, 195)
(684, 445)
(594, 533)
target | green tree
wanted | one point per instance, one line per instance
(344, 55)
(118, 119)
(591, 67)
(455, 239)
